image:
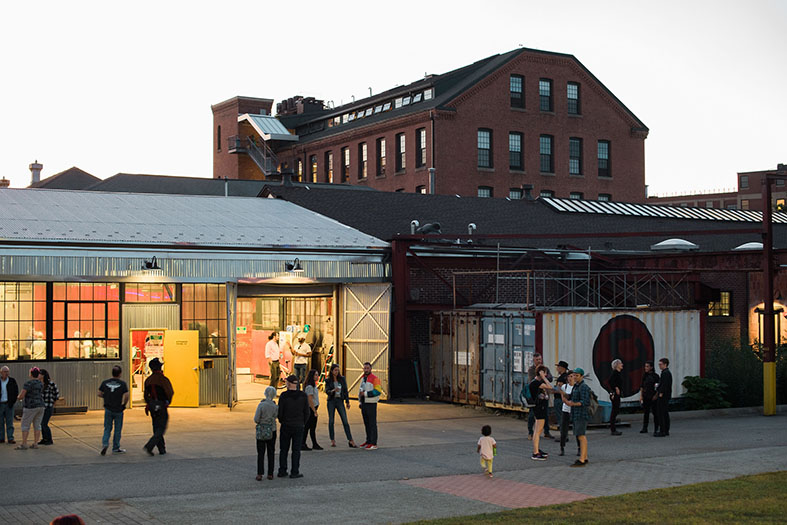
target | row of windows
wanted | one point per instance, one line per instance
(517, 194)
(545, 94)
(393, 104)
(545, 149)
(85, 317)
(381, 161)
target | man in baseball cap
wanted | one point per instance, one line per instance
(579, 403)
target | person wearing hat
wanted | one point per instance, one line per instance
(293, 414)
(579, 403)
(302, 354)
(560, 381)
(158, 396)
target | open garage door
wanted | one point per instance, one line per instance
(366, 326)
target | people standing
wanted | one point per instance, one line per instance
(158, 396)
(302, 354)
(9, 391)
(487, 448)
(51, 395)
(293, 414)
(265, 418)
(368, 395)
(313, 396)
(540, 388)
(114, 392)
(538, 360)
(579, 403)
(647, 397)
(338, 401)
(273, 354)
(615, 386)
(664, 392)
(33, 412)
(560, 381)
(565, 416)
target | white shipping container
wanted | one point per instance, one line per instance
(572, 336)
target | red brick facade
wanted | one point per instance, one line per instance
(451, 132)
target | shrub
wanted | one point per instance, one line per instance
(740, 369)
(703, 393)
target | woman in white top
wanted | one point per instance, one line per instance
(565, 420)
(314, 403)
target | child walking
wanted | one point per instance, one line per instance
(487, 447)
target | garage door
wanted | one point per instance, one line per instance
(366, 322)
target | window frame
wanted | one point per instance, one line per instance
(485, 189)
(723, 307)
(484, 154)
(401, 152)
(363, 162)
(420, 148)
(380, 153)
(517, 98)
(545, 95)
(68, 339)
(329, 167)
(546, 159)
(514, 155)
(513, 191)
(604, 163)
(575, 156)
(345, 164)
(313, 168)
(605, 197)
(574, 103)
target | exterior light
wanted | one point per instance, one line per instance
(294, 266)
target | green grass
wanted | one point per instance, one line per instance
(748, 499)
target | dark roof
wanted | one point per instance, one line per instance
(516, 223)
(169, 184)
(447, 86)
(71, 179)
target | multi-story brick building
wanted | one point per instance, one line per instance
(526, 120)
(748, 195)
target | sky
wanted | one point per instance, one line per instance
(111, 87)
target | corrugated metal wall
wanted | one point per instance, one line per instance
(570, 336)
(366, 329)
(213, 382)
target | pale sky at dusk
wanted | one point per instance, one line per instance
(128, 88)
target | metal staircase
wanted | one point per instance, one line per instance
(262, 155)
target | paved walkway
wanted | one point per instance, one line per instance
(426, 467)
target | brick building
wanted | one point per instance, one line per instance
(526, 120)
(748, 195)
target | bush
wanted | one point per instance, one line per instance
(703, 393)
(740, 369)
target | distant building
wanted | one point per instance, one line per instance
(747, 197)
(526, 121)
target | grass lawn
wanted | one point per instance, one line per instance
(748, 499)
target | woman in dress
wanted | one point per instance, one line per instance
(51, 394)
(338, 399)
(314, 403)
(33, 411)
(265, 417)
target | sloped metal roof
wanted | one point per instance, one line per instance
(130, 218)
(269, 128)
(650, 210)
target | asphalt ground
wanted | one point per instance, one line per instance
(426, 467)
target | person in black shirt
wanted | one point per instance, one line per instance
(647, 397)
(293, 413)
(114, 391)
(560, 380)
(615, 385)
(664, 392)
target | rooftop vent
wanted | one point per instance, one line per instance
(749, 246)
(678, 245)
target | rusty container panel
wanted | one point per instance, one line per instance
(454, 357)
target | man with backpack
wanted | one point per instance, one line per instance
(580, 402)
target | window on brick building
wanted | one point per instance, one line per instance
(484, 148)
(299, 170)
(709, 204)
(345, 164)
(313, 168)
(420, 148)
(515, 158)
(515, 194)
(401, 162)
(780, 182)
(420, 189)
(545, 94)
(484, 191)
(329, 166)
(218, 138)
(574, 107)
(576, 195)
(722, 307)
(517, 83)
(575, 156)
(780, 205)
(362, 161)
(547, 193)
(604, 197)
(744, 204)
(744, 182)
(381, 156)
(604, 159)
(545, 151)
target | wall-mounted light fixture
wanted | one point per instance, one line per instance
(151, 264)
(294, 266)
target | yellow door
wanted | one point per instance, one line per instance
(181, 366)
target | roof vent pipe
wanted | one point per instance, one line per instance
(527, 189)
(471, 228)
(413, 225)
(35, 172)
(431, 181)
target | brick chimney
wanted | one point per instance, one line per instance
(4, 183)
(35, 172)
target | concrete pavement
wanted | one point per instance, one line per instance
(426, 467)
